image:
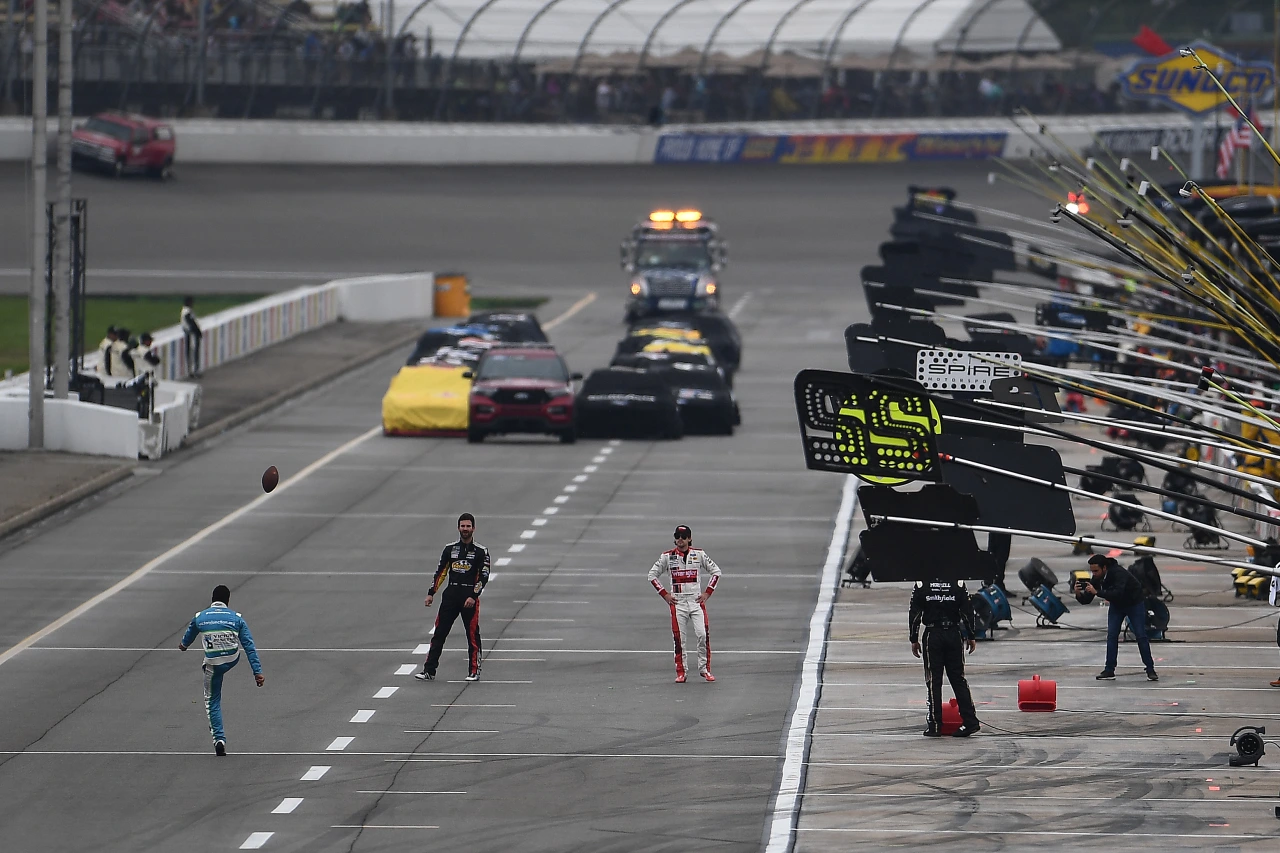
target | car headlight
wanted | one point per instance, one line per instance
(637, 288)
(711, 288)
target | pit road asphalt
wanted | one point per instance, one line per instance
(576, 737)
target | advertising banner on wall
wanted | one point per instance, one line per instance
(1180, 82)
(830, 148)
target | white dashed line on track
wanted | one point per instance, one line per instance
(581, 478)
(315, 774)
(287, 805)
(452, 732)
(457, 705)
(591, 469)
(596, 460)
(515, 549)
(339, 744)
(503, 561)
(407, 669)
(605, 451)
(420, 649)
(528, 534)
(256, 840)
(388, 692)
(539, 522)
(559, 499)
(362, 716)
(486, 681)
(571, 489)
(551, 510)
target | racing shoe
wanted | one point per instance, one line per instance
(425, 674)
(473, 676)
(679, 678)
(706, 673)
(932, 733)
(220, 747)
(966, 730)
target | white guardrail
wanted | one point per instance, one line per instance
(827, 141)
(78, 427)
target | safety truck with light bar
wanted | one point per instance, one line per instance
(675, 258)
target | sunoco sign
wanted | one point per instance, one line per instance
(1175, 80)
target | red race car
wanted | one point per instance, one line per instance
(122, 142)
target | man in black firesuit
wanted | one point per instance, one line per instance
(463, 573)
(943, 607)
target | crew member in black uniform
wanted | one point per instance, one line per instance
(944, 609)
(463, 573)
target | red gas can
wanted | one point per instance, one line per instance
(951, 717)
(1037, 695)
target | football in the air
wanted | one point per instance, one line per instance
(270, 479)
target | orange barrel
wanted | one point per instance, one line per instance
(951, 717)
(452, 296)
(1037, 695)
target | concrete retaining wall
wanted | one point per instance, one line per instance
(228, 335)
(401, 143)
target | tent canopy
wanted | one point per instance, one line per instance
(825, 32)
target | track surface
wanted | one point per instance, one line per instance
(576, 738)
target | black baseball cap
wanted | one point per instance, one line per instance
(683, 531)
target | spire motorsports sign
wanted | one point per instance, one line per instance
(1175, 80)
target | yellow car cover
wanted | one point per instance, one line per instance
(428, 399)
(668, 332)
(697, 347)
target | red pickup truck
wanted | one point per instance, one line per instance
(123, 142)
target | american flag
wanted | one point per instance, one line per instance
(1239, 136)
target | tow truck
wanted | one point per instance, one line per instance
(675, 258)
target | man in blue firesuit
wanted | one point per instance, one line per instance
(223, 633)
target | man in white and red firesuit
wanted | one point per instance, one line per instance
(687, 599)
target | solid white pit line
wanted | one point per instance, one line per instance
(363, 716)
(786, 807)
(256, 840)
(182, 547)
(339, 743)
(287, 805)
(407, 669)
(315, 773)
(388, 692)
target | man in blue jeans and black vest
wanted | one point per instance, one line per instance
(223, 633)
(1126, 599)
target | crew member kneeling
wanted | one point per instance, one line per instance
(946, 613)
